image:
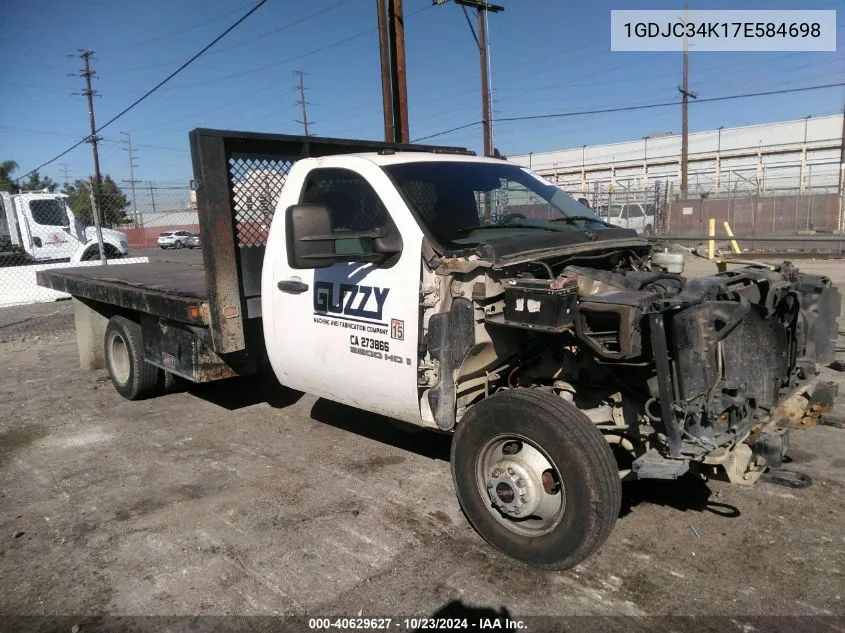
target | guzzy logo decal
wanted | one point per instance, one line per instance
(351, 300)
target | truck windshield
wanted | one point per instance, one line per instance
(49, 212)
(614, 210)
(461, 203)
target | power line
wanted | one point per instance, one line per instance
(252, 39)
(181, 31)
(454, 129)
(647, 106)
(295, 57)
(153, 89)
(671, 103)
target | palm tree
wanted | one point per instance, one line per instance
(6, 169)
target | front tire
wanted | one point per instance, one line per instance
(178, 245)
(535, 478)
(132, 377)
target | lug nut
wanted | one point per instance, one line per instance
(497, 472)
(520, 483)
(516, 510)
(524, 498)
(510, 471)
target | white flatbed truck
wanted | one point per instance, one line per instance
(564, 354)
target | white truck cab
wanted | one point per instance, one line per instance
(41, 227)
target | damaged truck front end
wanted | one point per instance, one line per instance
(566, 355)
(708, 374)
(736, 359)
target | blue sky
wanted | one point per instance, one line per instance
(547, 56)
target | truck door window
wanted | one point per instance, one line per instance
(635, 211)
(49, 212)
(352, 203)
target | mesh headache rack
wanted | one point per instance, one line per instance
(238, 178)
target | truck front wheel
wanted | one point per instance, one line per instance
(536, 478)
(133, 378)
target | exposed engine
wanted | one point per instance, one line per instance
(677, 371)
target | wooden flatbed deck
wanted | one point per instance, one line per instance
(172, 290)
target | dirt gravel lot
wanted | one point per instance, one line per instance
(234, 499)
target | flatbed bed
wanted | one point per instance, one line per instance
(167, 289)
(203, 321)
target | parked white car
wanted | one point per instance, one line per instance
(176, 239)
(640, 216)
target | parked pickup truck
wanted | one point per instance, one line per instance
(40, 227)
(640, 216)
(559, 352)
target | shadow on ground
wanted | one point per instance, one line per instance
(243, 392)
(484, 617)
(687, 493)
(382, 429)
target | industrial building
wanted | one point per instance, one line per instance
(789, 156)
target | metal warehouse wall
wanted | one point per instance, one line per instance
(789, 155)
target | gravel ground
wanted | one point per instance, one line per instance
(238, 499)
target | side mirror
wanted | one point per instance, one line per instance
(311, 242)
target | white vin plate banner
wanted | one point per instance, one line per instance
(746, 30)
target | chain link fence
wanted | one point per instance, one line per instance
(807, 210)
(44, 229)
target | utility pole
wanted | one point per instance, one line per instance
(397, 61)
(65, 171)
(393, 83)
(87, 73)
(132, 180)
(486, 126)
(386, 80)
(482, 9)
(302, 101)
(152, 196)
(686, 94)
(842, 178)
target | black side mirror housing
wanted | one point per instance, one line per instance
(312, 243)
(303, 221)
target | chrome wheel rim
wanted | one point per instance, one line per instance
(520, 485)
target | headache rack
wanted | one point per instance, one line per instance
(238, 177)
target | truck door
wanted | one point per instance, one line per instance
(49, 227)
(347, 332)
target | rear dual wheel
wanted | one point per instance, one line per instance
(536, 478)
(131, 375)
